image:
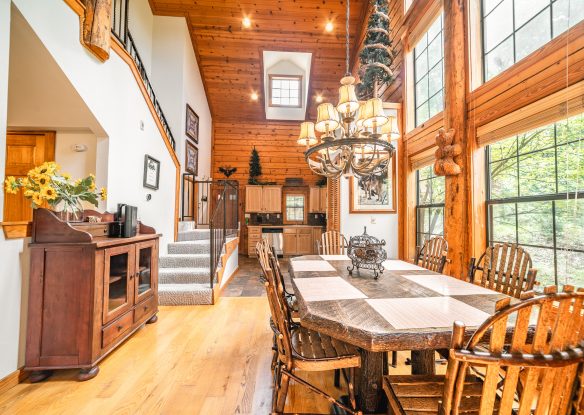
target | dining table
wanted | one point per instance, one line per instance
(406, 308)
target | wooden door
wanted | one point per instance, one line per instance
(290, 242)
(145, 270)
(253, 199)
(304, 242)
(118, 281)
(272, 198)
(24, 151)
(323, 199)
(314, 200)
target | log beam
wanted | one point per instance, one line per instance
(97, 27)
(456, 220)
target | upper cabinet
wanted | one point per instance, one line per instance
(318, 200)
(263, 199)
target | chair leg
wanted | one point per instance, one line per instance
(337, 378)
(277, 382)
(350, 384)
(394, 359)
(283, 392)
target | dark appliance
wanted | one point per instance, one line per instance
(126, 222)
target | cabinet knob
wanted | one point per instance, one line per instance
(120, 328)
(145, 308)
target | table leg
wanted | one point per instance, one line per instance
(423, 362)
(371, 398)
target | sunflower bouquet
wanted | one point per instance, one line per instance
(46, 184)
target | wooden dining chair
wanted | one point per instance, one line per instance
(306, 350)
(432, 254)
(506, 268)
(332, 243)
(534, 357)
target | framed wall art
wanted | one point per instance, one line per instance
(151, 172)
(191, 158)
(375, 193)
(192, 125)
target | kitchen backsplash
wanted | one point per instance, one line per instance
(317, 219)
(266, 219)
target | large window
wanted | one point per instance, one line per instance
(428, 73)
(512, 29)
(285, 91)
(295, 208)
(535, 191)
(430, 205)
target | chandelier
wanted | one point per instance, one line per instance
(356, 136)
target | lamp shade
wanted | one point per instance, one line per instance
(359, 118)
(389, 130)
(374, 116)
(307, 135)
(348, 101)
(327, 118)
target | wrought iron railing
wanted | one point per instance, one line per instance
(122, 33)
(224, 222)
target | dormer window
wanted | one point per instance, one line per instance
(285, 91)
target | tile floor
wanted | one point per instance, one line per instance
(247, 282)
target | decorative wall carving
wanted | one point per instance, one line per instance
(445, 153)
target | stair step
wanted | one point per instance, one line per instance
(186, 225)
(185, 261)
(185, 294)
(184, 275)
(190, 247)
(194, 235)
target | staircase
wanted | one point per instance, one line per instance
(184, 272)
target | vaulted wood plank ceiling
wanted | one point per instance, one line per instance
(230, 56)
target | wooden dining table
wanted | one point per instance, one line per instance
(407, 308)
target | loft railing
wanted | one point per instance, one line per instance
(224, 222)
(196, 199)
(121, 31)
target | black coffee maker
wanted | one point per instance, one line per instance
(126, 221)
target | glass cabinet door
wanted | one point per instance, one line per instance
(118, 281)
(146, 266)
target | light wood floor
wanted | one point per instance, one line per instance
(194, 360)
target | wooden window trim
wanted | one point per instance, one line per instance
(299, 78)
(295, 192)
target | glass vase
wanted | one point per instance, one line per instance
(69, 210)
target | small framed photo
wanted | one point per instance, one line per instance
(151, 172)
(375, 193)
(191, 158)
(192, 124)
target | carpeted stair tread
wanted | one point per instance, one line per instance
(190, 247)
(194, 235)
(185, 294)
(184, 260)
(184, 275)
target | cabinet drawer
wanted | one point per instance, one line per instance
(117, 329)
(290, 230)
(253, 230)
(145, 309)
(304, 231)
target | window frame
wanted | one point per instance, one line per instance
(304, 207)
(299, 78)
(517, 200)
(419, 206)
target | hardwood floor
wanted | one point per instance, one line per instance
(194, 360)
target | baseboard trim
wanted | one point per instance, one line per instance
(13, 379)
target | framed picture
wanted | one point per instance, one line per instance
(191, 158)
(374, 194)
(151, 172)
(192, 125)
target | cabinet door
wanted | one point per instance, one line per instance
(253, 199)
(290, 242)
(272, 198)
(118, 281)
(314, 202)
(145, 271)
(323, 199)
(304, 244)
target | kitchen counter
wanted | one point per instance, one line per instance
(290, 240)
(284, 226)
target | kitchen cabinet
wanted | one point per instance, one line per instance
(318, 200)
(254, 234)
(298, 241)
(263, 199)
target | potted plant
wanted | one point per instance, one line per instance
(46, 184)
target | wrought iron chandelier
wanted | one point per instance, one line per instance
(356, 136)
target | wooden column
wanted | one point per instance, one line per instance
(456, 222)
(97, 27)
(333, 219)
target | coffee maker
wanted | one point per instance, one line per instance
(126, 221)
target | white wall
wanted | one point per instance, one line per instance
(141, 23)
(77, 164)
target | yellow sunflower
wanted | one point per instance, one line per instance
(29, 193)
(37, 199)
(42, 179)
(103, 193)
(11, 185)
(48, 193)
(66, 176)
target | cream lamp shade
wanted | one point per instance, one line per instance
(374, 116)
(348, 101)
(327, 119)
(359, 118)
(389, 130)
(307, 134)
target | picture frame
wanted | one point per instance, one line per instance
(192, 125)
(375, 194)
(191, 158)
(151, 172)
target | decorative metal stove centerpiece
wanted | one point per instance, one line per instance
(366, 252)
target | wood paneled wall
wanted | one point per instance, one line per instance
(280, 155)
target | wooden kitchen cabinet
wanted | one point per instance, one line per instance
(318, 200)
(254, 235)
(304, 242)
(263, 199)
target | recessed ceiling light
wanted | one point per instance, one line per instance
(329, 27)
(254, 96)
(246, 22)
(319, 98)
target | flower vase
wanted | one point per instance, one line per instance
(69, 211)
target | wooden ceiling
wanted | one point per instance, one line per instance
(229, 55)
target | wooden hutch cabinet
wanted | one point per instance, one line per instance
(87, 294)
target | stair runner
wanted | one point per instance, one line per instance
(184, 271)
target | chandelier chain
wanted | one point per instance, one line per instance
(347, 40)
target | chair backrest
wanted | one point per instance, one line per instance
(506, 268)
(432, 255)
(333, 243)
(535, 346)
